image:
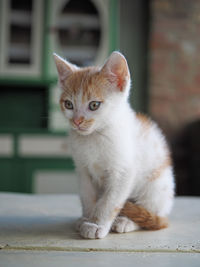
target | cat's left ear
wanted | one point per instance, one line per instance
(116, 70)
(64, 68)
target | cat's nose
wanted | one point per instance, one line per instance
(78, 121)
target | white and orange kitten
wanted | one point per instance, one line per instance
(122, 158)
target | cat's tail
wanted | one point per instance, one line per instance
(143, 217)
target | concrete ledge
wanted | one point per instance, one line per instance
(45, 223)
(97, 259)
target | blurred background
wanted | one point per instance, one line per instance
(161, 41)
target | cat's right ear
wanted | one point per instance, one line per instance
(64, 68)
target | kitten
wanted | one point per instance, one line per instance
(122, 158)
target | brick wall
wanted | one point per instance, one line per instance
(174, 89)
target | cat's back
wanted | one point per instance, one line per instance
(148, 130)
(152, 145)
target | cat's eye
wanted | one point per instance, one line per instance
(68, 104)
(94, 105)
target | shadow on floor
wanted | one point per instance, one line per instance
(41, 226)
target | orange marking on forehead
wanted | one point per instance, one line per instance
(88, 80)
(93, 88)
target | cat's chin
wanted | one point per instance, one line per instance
(83, 131)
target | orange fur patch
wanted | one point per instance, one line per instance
(88, 80)
(157, 172)
(143, 217)
(144, 120)
(87, 123)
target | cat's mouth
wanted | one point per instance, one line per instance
(84, 128)
(82, 131)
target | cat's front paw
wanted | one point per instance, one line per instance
(93, 231)
(123, 224)
(79, 222)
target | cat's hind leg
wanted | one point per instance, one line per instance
(123, 224)
(154, 202)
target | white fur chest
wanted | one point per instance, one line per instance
(91, 152)
(102, 153)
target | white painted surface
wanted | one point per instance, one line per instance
(97, 259)
(32, 69)
(56, 182)
(6, 145)
(40, 145)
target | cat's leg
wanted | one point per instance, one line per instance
(116, 191)
(87, 196)
(154, 202)
(159, 193)
(123, 224)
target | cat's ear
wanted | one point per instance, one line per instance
(116, 70)
(64, 68)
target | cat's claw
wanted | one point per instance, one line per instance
(93, 231)
(123, 225)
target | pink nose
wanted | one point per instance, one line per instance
(78, 121)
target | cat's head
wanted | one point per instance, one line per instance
(91, 95)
